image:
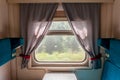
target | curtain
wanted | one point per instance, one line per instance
(35, 20)
(85, 21)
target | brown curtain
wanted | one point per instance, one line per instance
(85, 21)
(35, 20)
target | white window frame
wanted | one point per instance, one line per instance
(33, 64)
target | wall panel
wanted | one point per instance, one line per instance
(4, 28)
(106, 20)
(14, 20)
(4, 32)
(116, 19)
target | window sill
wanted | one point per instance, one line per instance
(61, 67)
(58, 69)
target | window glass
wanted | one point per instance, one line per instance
(59, 48)
(60, 25)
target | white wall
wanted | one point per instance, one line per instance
(5, 72)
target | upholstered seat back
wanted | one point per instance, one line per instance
(8, 48)
(111, 68)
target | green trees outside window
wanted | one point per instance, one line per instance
(60, 47)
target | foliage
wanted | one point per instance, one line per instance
(60, 47)
(56, 56)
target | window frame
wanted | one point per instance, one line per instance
(85, 64)
(33, 65)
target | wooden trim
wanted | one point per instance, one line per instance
(59, 1)
(88, 1)
(60, 14)
(33, 65)
(106, 20)
(60, 32)
(14, 20)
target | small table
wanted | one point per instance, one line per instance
(59, 76)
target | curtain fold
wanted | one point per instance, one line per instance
(85, 21)
(35, 20)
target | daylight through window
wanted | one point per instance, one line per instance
(60, 45)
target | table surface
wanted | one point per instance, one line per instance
(59, 76)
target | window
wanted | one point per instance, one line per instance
(60, 48)
(59, 45)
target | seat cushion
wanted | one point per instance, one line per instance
(110, 71)
(114, 55)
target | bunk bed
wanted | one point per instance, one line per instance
(8, 49)
(111, 68)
